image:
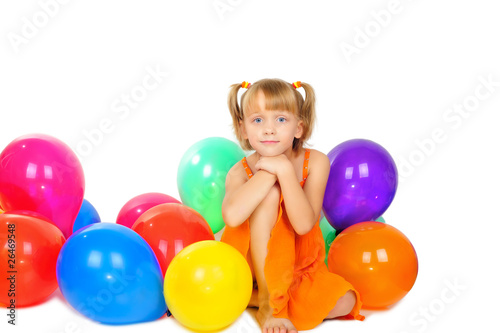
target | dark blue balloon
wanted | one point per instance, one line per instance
(109, 273)
(362, 183)
(86, 216)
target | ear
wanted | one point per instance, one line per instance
(243, 131)
(300, 129)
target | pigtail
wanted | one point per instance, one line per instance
(234, 108)
(236, 112)
(308, 110)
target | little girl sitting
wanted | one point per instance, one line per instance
(272, 207)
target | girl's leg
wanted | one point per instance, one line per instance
(344, 305)
(262, 222)
(254, 299)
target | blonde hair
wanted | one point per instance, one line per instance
(279, 95)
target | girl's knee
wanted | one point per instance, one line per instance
(273, 197)
(264, 216)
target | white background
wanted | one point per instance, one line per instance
(398, 86)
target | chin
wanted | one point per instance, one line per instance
(268, 154)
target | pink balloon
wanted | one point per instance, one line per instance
(134, 208)
(42, 174)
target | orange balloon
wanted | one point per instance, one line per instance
(170, 227)
(29, 247)
(377, 259)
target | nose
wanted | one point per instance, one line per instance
(270, 130)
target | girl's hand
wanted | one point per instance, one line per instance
(276, 165)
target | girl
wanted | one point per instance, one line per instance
(272, 206)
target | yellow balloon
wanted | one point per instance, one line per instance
(208, 285)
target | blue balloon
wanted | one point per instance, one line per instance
(108, 273)
(86, 216)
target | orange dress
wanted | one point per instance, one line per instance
(300, 286)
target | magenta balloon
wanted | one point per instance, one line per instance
(362, 183)
(136, 206)
(42, 174)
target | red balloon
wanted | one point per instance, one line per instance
(29, 248)
(170, 227)
(31, 214)
(377, 259)
(138, 205)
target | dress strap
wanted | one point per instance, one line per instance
(247, 169)
(306, 165)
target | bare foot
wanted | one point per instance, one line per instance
(271, 324)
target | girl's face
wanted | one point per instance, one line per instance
(270, 132)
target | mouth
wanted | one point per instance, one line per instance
(269, 142)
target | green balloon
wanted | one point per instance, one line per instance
(329, 234)
(380, 219)
(201, 177)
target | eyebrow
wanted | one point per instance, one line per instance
(269, 111)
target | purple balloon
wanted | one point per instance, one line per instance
(362, 183)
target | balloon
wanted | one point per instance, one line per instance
(170, 227)
(86, 216)
(139, 204)
(201, 177)
(329, 234)
(208, 285)
(380, 219)
(108, 273)
(42, 174)
(377, 259)
(29, 247)
(361, 185)
(31, 214)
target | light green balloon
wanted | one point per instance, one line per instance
(380, 219)
(329, 234)
(201, 177)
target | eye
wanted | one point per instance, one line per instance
(281, 119)
(257, 120)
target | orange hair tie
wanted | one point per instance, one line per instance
(296, 84)
(245, 84)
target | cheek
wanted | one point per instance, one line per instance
(244, 132)
(251, 133)
(299, 131)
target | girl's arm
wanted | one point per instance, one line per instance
(303, 205)
(243, 195)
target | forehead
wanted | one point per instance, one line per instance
(259, 101)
